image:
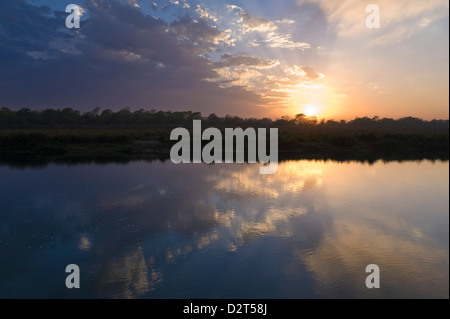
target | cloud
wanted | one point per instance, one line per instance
(22, 27)
(272, 37)
(119, 57)
(134, 3)
(204, 14)
(284, 41)
(241, 70)
(229, 60)
(285, 21)
(305, 72)
(251, 23)
(199, 36)
(398, 19)
(186, 5)
(292, 87)
(425, 22)
(287, 85)
(245, 77)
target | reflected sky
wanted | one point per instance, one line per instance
(159, 230)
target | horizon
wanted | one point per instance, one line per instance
(205, 116)
(252, 59)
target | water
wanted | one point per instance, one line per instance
(159, 230)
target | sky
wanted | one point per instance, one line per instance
(250, 58)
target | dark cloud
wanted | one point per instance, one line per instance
(229, 60)
(253, 23)
(25, 29)
(197, 36)
(118, 58)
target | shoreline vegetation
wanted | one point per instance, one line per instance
(68, 136)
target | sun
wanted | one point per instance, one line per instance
(311, 110)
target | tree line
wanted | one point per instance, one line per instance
(68, 117)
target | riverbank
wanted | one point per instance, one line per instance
(41, 145)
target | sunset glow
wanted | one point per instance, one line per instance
(311, 110)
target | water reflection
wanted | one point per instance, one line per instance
(160, 230)
(128, 276)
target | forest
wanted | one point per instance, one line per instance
(68, 117)
(70, 135)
